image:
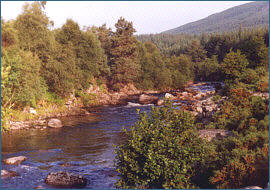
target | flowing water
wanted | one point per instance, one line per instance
(83, 146)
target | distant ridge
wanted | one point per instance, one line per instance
(255, 14)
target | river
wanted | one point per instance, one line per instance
(83, 146)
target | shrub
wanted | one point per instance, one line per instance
(249, 169)
(162, 151)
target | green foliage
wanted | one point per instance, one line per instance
(255, 50)
(60, 71)
(51, 97)
(23, 86)
(4, 80)
(103, 34)
(181, 69)
(88, 99)
(89, 56)
(155, 72)
(162, 151)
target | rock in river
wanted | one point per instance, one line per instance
(160, 102)
(14, 160)
(169, 96)
(146, 99)
(6, 173)
(66, 180)
(55, 123)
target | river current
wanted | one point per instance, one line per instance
(83, 146)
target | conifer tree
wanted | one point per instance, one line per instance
(123, 60)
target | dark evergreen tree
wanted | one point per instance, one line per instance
(123, 62)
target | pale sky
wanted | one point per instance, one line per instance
(147, 16)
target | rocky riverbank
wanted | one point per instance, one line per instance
(74, 106)
(193, 100)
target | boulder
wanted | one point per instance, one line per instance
(55, 123)
(211, 134)
(65, 180)
(7, 173)
(147, 99)
(15, 160)
(160, 102)
(169, 96)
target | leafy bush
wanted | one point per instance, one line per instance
(88, 99)
(162, 151)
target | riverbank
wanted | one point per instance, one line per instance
(94, 97)
(100, 97)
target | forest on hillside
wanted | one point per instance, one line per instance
(249, 15)
(41, 66)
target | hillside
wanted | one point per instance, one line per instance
(255, 14)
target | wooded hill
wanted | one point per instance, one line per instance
(255, 14)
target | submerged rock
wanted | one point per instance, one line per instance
(55, 123)
(65, 179)
(7, 173)
(15, 160)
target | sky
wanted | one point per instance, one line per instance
(147, 16)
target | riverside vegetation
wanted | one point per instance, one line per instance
(43, 68)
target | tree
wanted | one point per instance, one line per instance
(90, 58)
(8, 34)
(60, 71)
(233, 64)
(196, 51)
(104, 35)
(154, 73)
(33, 30)
(123, 60)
